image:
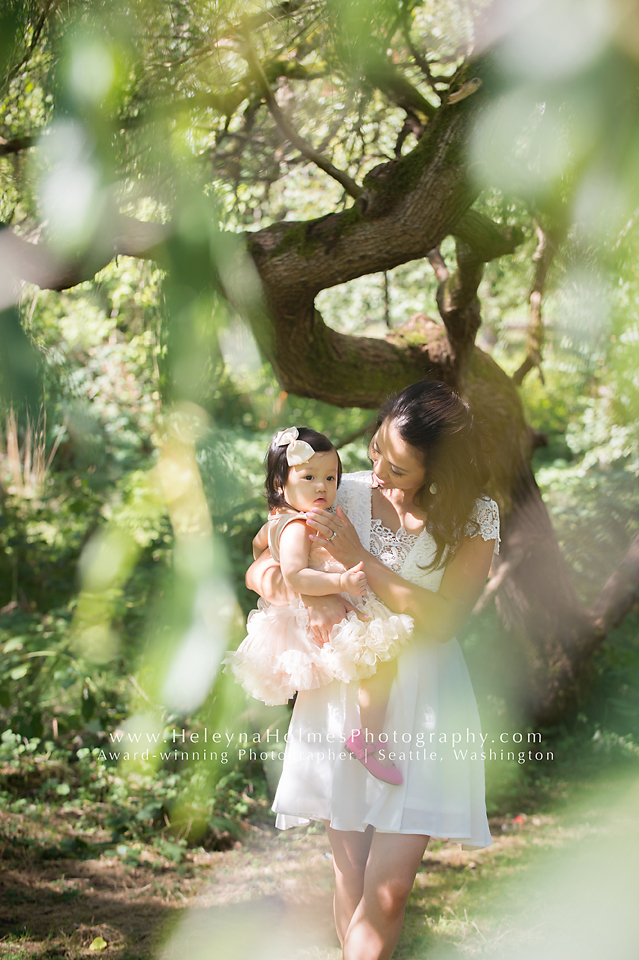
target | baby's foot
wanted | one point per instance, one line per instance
(367, 754)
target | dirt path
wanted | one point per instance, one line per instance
(270, 897)
(54, 909)
(267, 898)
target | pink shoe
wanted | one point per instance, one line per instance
(364, 753)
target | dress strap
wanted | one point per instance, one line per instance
(275, 527)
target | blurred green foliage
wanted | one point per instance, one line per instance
(114, 811)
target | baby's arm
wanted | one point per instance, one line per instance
(260, 541)
(294, 551)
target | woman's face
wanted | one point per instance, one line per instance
(396, 464)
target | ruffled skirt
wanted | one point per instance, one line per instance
(279, 656)
(368, 635)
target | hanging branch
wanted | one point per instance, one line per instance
(38, 27)
(15, 146)
(280, 11)
(382, 73)
(386, 301)
(504, 570)
(411, 125)
(289, 130)
(618, 594)
(542, 258)
(438, 264)
(421, 61)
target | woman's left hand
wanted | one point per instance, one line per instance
(337, 534)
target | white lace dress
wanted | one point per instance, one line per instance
(432, 721)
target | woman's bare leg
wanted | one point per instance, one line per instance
(393, 861)
(350, 853)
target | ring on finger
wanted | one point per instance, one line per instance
(332, 536)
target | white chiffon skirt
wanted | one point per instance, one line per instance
(433, 730)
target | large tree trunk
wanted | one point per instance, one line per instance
(539, 607)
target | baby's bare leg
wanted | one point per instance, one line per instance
(373, 700)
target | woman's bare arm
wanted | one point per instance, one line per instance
(260, 541)
(265, 578)
(438, 614)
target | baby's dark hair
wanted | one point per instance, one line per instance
(277, 466)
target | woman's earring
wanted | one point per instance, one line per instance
(433, 488)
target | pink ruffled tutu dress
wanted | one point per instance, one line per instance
(279, 655)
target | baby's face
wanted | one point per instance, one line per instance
(313, 484)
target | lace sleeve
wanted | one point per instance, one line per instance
(485, 516)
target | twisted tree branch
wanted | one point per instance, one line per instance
(618, 595)
(478, 241)
(384, 75)
(459, 306)
(289, 130)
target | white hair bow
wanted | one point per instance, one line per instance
(283, 437)
(298, 451)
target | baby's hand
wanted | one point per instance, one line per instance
(354, 581)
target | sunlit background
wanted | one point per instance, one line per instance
(136, 407)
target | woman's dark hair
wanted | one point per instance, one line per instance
(438, 425)
(277, 466)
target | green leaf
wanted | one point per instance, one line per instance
(15, 643)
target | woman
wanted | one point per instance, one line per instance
(426, 536)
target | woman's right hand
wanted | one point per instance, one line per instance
(324, 613)
(265, 577)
